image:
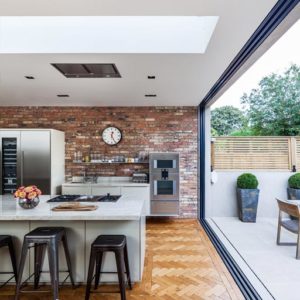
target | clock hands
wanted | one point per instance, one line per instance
(112, 136)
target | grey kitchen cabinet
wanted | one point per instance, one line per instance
(103, 190)
(142, 193)
(76, 190)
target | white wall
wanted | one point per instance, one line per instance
(223, 193)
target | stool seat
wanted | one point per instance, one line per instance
(45, 232)
(4, 239)
(107, 241)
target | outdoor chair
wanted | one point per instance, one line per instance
(289, 224)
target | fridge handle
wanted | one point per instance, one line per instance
(22, 167)
(1, 182)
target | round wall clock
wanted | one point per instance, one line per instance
(111, 135)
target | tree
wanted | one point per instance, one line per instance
(227, 119)
(274, 107)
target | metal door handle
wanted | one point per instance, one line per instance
(174, 188)
(1, 182)
(22, 167)
(155, 188)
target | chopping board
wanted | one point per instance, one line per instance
(74, 206)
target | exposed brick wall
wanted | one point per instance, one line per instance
(144, 129)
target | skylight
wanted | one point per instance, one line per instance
(109, 34)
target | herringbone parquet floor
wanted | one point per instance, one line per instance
(181, 264)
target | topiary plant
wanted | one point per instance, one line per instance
(294, 181)
(247, 181)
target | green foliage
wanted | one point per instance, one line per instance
(294, 181)
(214, 132)
(274, 108)
(244, 132)
(247, 181)
(226, 120)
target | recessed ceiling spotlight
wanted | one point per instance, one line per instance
(151, 77)
(150, 95)
(29, 77)
(63, 96)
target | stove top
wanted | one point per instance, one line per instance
(85, 198)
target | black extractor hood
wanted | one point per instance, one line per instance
(71, 70)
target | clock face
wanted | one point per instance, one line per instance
(111, 135)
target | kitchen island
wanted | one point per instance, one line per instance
(126, 216)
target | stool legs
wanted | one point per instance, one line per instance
(121, 272)
(53, 267)
(67, 254)
(13, 258)
(39, 255)
(43, 238)
(127, 267)
(98, 269)
(90, 274)
(21, 268)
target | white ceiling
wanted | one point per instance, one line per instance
(106, 34)
(181, 79)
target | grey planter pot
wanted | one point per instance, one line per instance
(293, 194)
(247, 204)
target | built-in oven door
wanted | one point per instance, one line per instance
(165, 189)
(160, 161)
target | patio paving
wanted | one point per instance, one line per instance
(273, 270)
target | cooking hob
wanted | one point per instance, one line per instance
(85, 198)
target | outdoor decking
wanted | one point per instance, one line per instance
(273, 270)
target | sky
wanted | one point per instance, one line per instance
(276, 60)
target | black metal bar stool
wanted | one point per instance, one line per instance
(105, 243)
(6, 241)
(43, 238)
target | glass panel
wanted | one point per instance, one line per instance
(165, 187)
(9, 167)
(101, 69)
(165, 163)
(71, 69)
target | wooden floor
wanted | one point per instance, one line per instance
(181, 263)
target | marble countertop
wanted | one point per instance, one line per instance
(126, 208)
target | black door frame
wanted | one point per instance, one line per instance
(278, 13)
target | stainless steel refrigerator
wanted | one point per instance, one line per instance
(27, 158)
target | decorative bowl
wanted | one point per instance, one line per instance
(28, 203)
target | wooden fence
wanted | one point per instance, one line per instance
(297, 153)
(260, 153)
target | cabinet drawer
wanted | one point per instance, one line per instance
(103, 190)
(164, 208)
(76, 190)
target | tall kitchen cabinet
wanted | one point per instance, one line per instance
(32, 157)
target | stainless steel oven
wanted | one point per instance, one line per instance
(164, 183)
(169, 161)
(165, 188)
